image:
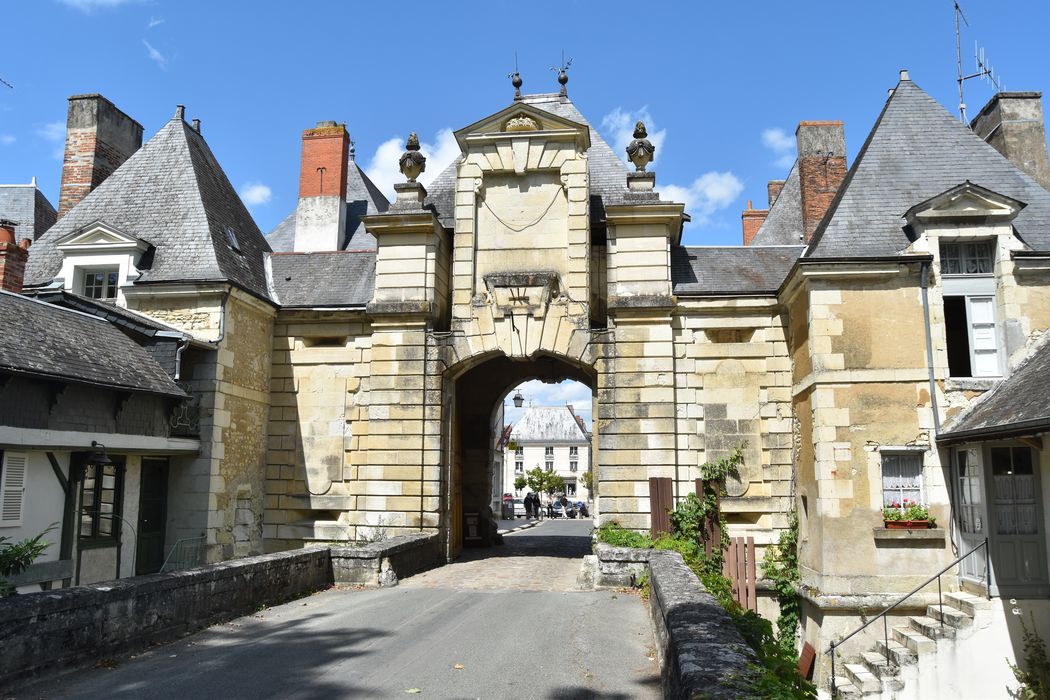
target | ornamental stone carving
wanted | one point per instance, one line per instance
(641, 150)
(521, 122)
(412, 162)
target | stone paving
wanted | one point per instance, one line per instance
(544, 557)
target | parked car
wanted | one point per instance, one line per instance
(519, 508)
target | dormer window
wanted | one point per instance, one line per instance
(100, 283)
(968, 257)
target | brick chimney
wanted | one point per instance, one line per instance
(320, 217)
(752, 220)
(821, 169)
(12, 258)
(1012, 123)
(99, 138)
(773, 189)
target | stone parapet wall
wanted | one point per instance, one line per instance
(619, 567)
(41, 632)
(384, 563)
(701, 652)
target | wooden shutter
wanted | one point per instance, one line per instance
(12, 488)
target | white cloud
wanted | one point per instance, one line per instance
(383, 167)
(89, 6)
(782, 144)
(255, 194)
(155, 56)
(154, 22)
(7, 139)
(618, 126)
(708, 194)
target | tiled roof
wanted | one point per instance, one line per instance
(27, 206)
(607, 173)
(362, 198)
(915, 151)
(338, 278)
(548, 424)
(48, 341)
(173, 194)
(1020, 402)
(717, 270)
(783, 225)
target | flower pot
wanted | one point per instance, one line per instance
(907, 524)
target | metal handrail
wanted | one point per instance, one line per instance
(940, 606)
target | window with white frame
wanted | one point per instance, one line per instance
(548, 451)
(574, 466)
(519, 467)
(549, 466)
(902, 479)
(519, 451)
(574, 451)
(100, 496)
(968, 281)
(100, 283)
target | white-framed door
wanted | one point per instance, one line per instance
(1018, 538)
(970, 517)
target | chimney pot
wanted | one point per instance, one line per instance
(773, 190)
(25, 243)
(904, 74)
(751, 220)
(12, 259)
(326, 124)
(197, 125)
(7, 231)
(180, 112)
(320, 219)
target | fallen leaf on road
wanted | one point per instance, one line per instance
(458, 667)
(413, 691)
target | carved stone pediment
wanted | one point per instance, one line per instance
(965, 202)
(522, 293)
(519, 120)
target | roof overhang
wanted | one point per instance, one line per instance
(100, 237)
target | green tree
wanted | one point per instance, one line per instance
(519, 483)
(542, 481)
(588, 480)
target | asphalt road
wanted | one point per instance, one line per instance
(467, 630)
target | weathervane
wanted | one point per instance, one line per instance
(515, 78)
(563, 73)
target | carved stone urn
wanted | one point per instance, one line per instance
(641, 150)
(412, 162)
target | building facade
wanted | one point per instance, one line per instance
(351, 368)
(552, 438)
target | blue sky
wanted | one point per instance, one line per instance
(721, 85)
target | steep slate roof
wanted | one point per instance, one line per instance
(338, 278)
(1020, 404)
(607, 173)
(915, 151)
(173, 194)
(363, 198)
(27, 206)
(48, 341)
(548, 424)
(117, 315)
(725, 270)
(783, 225)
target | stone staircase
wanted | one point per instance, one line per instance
(871, 675)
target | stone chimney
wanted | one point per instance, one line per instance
(752, 220)
(821, 169)
(99, 138)
(1012, 123)
(12, 258)
(773, 189)
(320, 217)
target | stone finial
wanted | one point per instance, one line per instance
(563, 73)
(515, 80)
(412, 162)
(641, 150)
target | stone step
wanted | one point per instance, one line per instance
(900, 654)
(952, 616)
(862, 679)
(932, 628)
(844, 690)
(878, 665)
(915, 641)
(967, 603)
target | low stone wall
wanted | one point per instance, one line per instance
(52, 630)
(619, 567)
(383, 563)
(702, 655)
(42, 632)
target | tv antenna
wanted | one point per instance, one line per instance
(4, 82)
(983, 69)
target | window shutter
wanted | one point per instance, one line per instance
(983, 346)
(12, 489)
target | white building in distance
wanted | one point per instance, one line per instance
(553, 438)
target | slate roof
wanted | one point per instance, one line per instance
(548, 424)
(173, 194)
(607, 173)
(727, 270)
(27, 206)
(363, 198)
(117, 315)
(783, 225)
(338, 278)
(915, 151)
(44, 340)
(1020, 404)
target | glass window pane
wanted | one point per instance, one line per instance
(1000, 460)
(1022, 460)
